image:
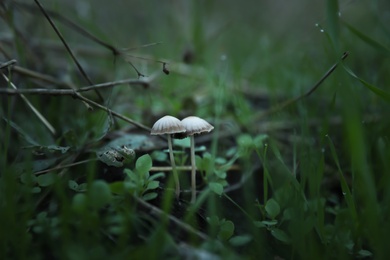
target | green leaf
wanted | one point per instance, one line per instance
(245, 141)
(280, 235)
(73, 185)
(270, 223)
(258, 141)
(149, 196)
(364, 253)
(185, 142)
(220, 160)
(259, 224)
(216, 187)
(153, 185)
(36, 190)
(157, 175)
(376, 45)
(199, 163)
(28, 178)
(231, 152)
(130, 186)
(159, 156)
(99, 194)
(82, 187)
(132, 175)
(204, 164)
(117, 187)
(220, 174)
(47, 179)
(79, 202)
(240, 240)
(226, 230)
(213, 221)
(381, 93)
(143, 164)
(272, 208)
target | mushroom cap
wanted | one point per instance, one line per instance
(196, 125)
(167, 125)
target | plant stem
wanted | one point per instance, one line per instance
(175, 176)
(193, 170)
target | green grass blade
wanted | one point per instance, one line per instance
(381, 93)
(332, 13)
(376, 45)
(344, 186)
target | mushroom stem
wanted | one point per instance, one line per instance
(175, 176)
(193, 170)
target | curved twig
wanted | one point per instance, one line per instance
(159, 213)
(44, 121)
(80, 68)
(289, 102)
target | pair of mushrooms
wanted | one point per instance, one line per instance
(187, 127)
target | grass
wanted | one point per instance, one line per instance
(283, 175)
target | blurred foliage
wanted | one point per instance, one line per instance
(309, 181)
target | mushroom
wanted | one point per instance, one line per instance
(194, 125)
(169, 125)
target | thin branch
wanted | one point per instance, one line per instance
(139, 74)
(71, 92)
(60, 167)
(169, 168)
(7, 64)
(75, 93)
(87, 34)
(67, 47)
(143, 58)
(289, 102)
(35, 111)
(185, 168)
(42, 77)
(142, 46)
(131, 121)
(45, 78)
(159, 213)
(71, 25)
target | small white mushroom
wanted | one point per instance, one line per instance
(194, 125)
(169, 125)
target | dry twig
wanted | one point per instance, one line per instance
(35, 111)
(289, 102)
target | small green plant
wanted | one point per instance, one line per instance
(223, 229)
(213, 171)
(139, 181)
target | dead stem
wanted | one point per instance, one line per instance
(71, 92)
(80, 68)
(159, 213)
(31, 106)
(115, 51)
(7, 64)
(185, 168)
(60, 167)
